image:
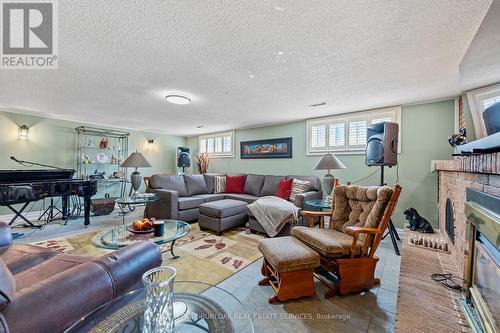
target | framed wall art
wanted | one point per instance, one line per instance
(268, 148)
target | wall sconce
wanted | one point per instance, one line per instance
(23, 132)
(151, 144)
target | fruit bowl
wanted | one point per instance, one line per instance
(132, 230)
(142, 226)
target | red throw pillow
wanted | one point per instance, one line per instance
(234, 184)
(284, 189)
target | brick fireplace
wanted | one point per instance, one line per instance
(479, 172)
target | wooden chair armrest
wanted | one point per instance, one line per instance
(353, 230)
(314, 214)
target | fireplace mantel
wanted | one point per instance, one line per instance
(479, 172)
(484, 163)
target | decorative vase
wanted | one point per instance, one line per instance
(104, 143)
(202, 159)
(158, 306)
(328, 183)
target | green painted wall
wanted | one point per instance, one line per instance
(425, 129)
(54, 142)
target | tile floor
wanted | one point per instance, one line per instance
(373, 311)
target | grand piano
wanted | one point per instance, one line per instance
(25, 186)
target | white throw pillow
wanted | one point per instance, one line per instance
(299, 186)
(219, 184)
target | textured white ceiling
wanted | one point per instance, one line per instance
(481, 63)
(117, 60)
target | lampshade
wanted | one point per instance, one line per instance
(136, 160)
(328, 162)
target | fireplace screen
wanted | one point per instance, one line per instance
(450, 221)
(482, 302)
(486, 278)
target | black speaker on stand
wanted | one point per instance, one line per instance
(183, 158)
(382, 150)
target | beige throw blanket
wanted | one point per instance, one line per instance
(273, 213)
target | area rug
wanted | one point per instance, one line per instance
(203, 257)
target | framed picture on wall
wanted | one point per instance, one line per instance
(269, 148)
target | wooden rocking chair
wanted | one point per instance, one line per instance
(347, 247)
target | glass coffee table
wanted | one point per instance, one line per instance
(200, 307)
(119, 236)
(319, 203)
(128, 204)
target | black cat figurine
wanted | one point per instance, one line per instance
(417, 222)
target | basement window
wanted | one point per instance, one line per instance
(479, 100)
(346, 133)
(217, 144)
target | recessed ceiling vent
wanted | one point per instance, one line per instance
(317, 104)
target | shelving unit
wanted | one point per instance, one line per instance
(116, 152)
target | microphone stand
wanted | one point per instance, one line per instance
(30, 164)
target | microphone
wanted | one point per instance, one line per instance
(16, 160)
(30, 164)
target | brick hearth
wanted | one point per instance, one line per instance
(423, 304)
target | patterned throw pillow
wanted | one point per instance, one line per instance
(299, 186)
(219, 184)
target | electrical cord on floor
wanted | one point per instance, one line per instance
(448, 280)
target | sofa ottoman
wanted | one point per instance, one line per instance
(222, 215)
(255, 226)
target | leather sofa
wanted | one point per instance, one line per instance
(181, 195)
(42, 290)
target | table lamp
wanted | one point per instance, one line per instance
(136, 160)
(329, 162)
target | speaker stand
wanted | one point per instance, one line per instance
(49, 212)
(391, 228)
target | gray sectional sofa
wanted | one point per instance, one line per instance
(182, 195)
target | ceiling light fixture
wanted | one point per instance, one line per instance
(251, 74)
(280, 57)
(178, 99)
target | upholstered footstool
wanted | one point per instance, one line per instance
(290, 264)
(222, 215)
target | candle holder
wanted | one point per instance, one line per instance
(158, 306)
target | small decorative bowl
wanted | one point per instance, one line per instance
(131, 229)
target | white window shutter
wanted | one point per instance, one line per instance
(318, 136)
(357, 133)
(336, 136)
